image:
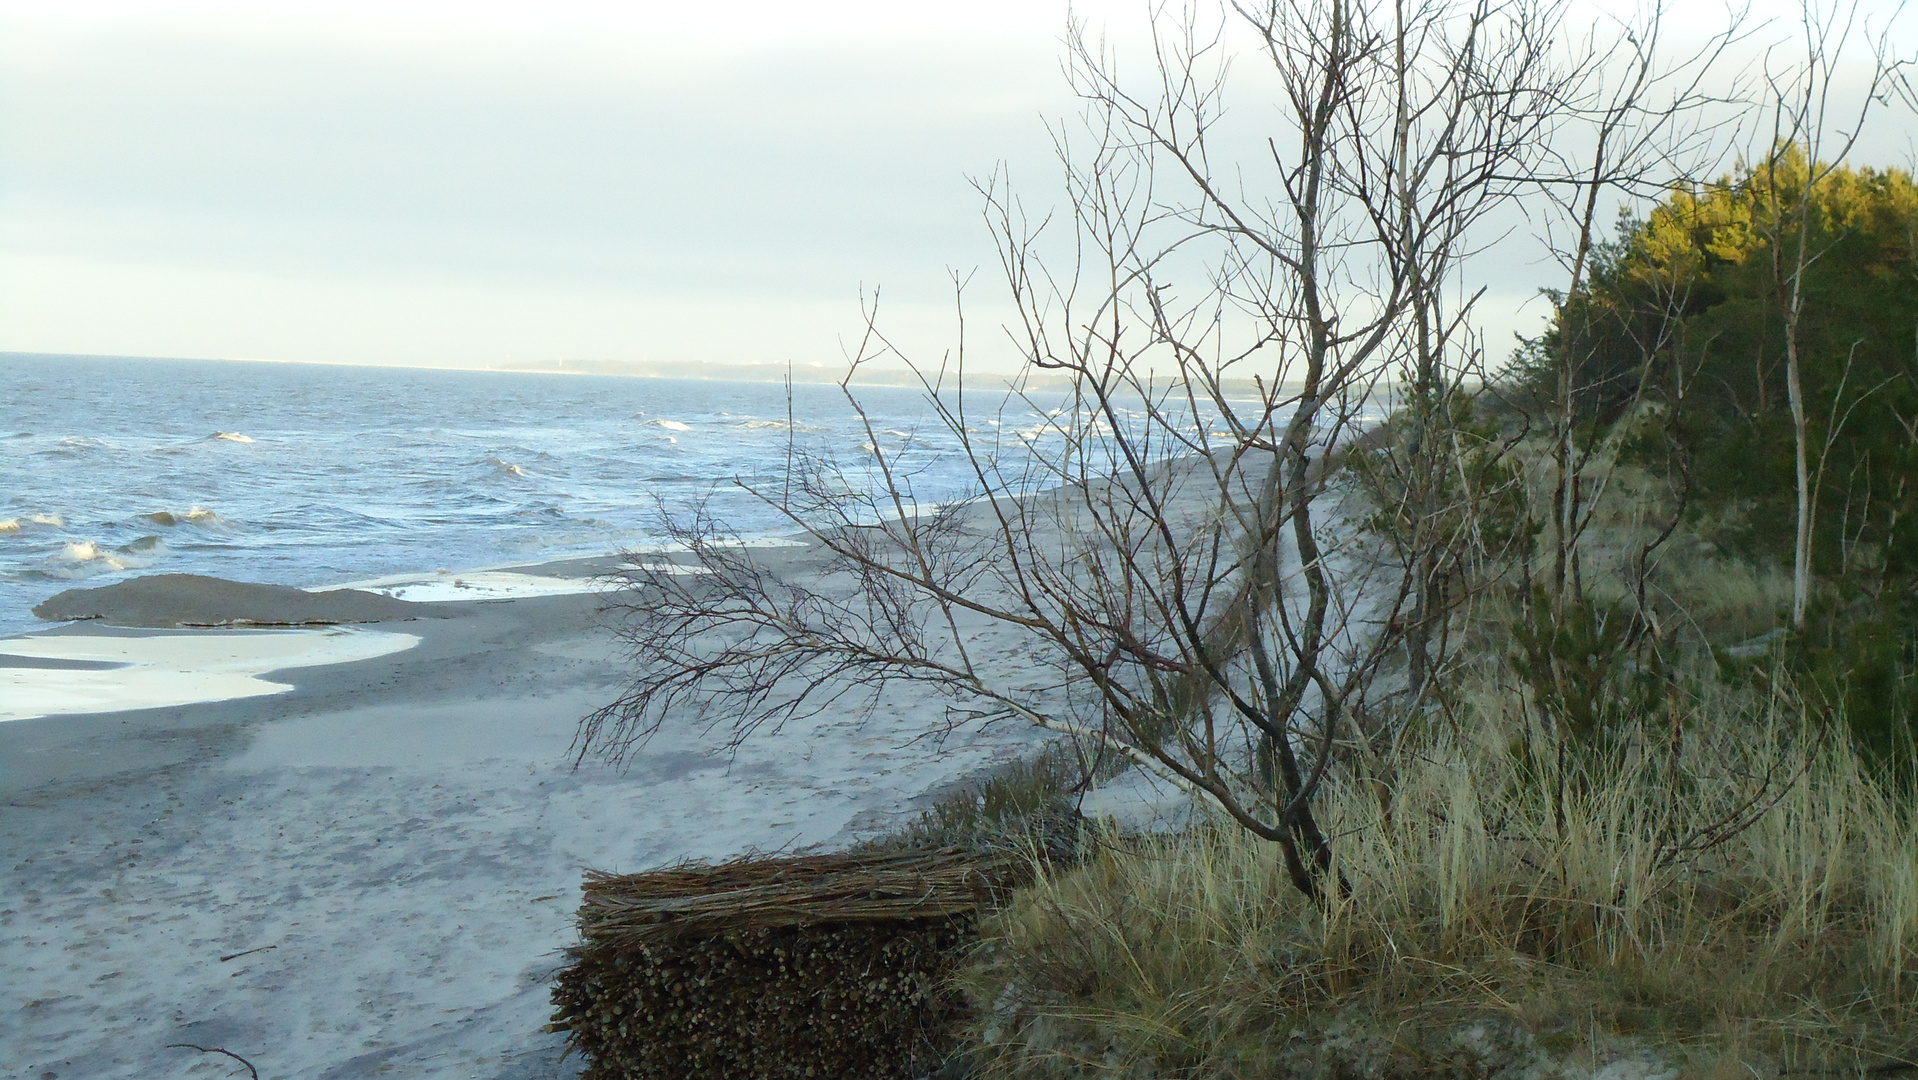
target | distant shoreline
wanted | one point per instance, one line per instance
(694, 371)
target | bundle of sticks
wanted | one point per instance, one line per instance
(759, 892)
(806, 966)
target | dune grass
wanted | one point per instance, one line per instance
(1721, 887)
(1630, 913)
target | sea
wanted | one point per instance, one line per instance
(313, 475)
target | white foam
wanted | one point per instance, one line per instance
(11, 525)
(173, 669)
(509, 583)
(231, 436)
(84, 558)
(477, 585)
(670, 569)
(669, 546)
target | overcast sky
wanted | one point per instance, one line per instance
(464, 183)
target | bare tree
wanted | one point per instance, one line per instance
(1649, 129)
(1162, 568)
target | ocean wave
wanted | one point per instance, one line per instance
(74, 446)
(777, 425)
(199, 516)
(85, 559)
(506, 467)
(230, 436)
(669, 425)
(21, 524)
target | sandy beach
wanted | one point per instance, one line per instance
(369, 867)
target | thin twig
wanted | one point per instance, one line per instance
(217, 1050)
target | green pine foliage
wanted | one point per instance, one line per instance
(1685, 311)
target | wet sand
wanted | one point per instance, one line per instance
(374, 872)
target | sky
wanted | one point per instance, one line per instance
(485, 182)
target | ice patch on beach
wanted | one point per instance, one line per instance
(446, 585)
(161, 670)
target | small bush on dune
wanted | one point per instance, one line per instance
(1028, 804)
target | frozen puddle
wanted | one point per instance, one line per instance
(159, 670)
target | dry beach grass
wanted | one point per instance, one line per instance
(1472, 909)
(1728, 887)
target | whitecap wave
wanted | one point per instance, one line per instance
(506, 467)
(231, 436)
(670, 425)
(778, 425)
(21, 524)
(80, 551)
(74, 446)
(84, 558)
(199, 516)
